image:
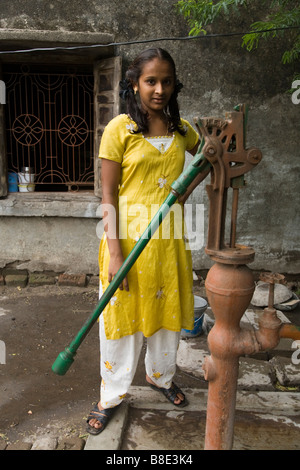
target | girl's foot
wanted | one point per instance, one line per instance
(99, 418)
(180, 398)
(94, 423)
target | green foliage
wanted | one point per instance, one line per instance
(200, 13)
(282, 14)
(281, 17)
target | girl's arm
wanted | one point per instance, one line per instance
(110, 178)
(200, 177)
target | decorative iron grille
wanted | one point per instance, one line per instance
(49, 124)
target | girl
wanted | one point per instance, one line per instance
(142, 153)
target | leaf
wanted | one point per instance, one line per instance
(281, 16)
(283, 388)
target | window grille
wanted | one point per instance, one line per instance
(49, 126)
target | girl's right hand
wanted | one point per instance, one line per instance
(114, 265)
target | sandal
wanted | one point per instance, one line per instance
(171, 393)
(102, 417)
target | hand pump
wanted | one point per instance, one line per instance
(229, 282)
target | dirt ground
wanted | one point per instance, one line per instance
(36, 324)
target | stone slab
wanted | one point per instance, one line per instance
(287, 370)
(255, 374)
(111, 438)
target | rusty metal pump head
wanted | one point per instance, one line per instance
(225, 150)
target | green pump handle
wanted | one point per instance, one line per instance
(197, 165)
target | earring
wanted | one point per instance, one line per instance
(135, 90)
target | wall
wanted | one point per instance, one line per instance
(52, 244)
(217, 74)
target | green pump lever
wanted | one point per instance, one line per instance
(197, 165)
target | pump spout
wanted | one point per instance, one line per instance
(229, 289)
(291, 331)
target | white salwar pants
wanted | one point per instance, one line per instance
(119, 359)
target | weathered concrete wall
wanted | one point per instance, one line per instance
(217, 74)
(55, 244)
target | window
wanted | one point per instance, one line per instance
(54, 119)
(49, 125)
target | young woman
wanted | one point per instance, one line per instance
(142, 153)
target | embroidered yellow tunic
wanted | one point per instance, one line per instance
(160, 282)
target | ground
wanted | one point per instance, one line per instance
(36, 324)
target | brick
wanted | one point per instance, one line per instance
(94, 281)
(3, 444)
(41, 279)
(71, 443)
(7, 271)
(75, 280)
(45, 443)
(19, 446)
(16, 280)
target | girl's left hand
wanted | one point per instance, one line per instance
(114, 265)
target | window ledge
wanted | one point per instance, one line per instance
(38, 204)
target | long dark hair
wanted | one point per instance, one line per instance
(132, 76)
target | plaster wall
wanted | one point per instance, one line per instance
(58, 244)
(217, 75)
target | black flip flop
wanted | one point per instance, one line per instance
(171, 394)
(102, 416)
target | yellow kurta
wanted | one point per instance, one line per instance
(160, 282)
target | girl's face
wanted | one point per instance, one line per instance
(156, 85)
